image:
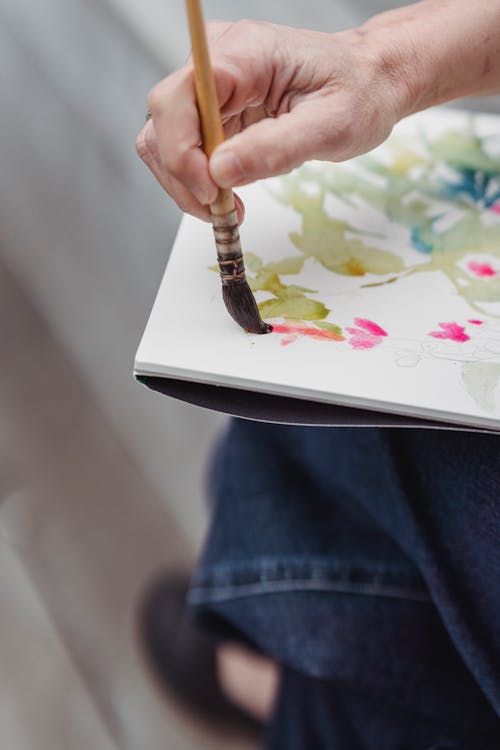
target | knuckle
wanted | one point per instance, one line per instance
(218, 30)
(243, 24)
(238, 34)
(215, 29)
(146, 145)
(141, 146)
(156, 97)
(252, 32)
(246, 26)
(229, 36)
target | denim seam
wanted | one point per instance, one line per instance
(203, 594)
(293, 568)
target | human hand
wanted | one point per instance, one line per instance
(289, 95)
(286, 95)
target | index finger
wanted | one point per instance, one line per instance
(173, 108)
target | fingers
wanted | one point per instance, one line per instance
(176, 123)
(275, 146)
(170, 143)
(147, 148)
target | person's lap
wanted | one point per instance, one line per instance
(366, 561)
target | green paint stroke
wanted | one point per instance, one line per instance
(335, 244)
(298, 308)
(410, 189)
(288, 301)
(481, 380)
(465, 150)
(417, 188)
(330, 327)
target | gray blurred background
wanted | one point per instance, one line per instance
(101, 482)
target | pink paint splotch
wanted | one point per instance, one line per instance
(476, 322)
(292, 332)
(483, 270)
(451, 332)
(366, 334)
(495, 208)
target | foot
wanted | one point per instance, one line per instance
(220, 687)
(248, 679)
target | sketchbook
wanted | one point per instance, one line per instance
(380, 277)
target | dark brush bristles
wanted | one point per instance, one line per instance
(236, 293)
(242, 307)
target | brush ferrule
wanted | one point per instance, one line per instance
(232, 270)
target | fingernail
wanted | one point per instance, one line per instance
(225, 168)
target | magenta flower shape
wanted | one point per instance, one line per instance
(366, 335)
(452, 332)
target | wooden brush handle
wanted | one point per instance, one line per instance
(236, 292)
(206, 95)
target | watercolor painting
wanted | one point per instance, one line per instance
(445, 191)
(380, 277)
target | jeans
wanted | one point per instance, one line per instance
(367, 563)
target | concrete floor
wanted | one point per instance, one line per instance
(81, 534)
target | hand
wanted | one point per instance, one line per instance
(286, 96)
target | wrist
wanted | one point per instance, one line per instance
(434, 51)
(397, 68)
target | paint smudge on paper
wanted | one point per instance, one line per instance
(443, 192)
(293, 331)
(476, 322)
(483, 270)
(370, 327)
(366, 334)
(289, 301)
(452, 332)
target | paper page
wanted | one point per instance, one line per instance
(380, 276)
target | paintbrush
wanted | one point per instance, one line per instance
(236, 293)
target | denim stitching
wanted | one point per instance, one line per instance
(202, 594)
(267, 576)
(310, 568)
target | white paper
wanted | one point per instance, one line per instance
(440, 357)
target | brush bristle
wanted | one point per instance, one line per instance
(242, 307)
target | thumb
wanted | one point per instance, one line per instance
(270, 147)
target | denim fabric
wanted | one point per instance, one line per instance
(313, 713)
(368, 563)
